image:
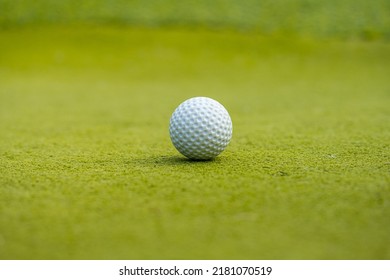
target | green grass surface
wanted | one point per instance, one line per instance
(320, 18)
(87, 169)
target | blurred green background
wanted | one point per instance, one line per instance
(343, 18)
(87, 170)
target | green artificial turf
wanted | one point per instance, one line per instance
(87, 170)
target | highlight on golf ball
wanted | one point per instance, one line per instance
(200, 128)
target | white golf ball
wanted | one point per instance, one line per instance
(200, 128)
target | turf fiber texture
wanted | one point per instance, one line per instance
(87, 170)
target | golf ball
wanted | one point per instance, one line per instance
(200, 128)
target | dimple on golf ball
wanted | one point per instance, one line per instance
(200, 128)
